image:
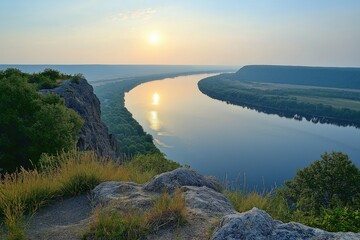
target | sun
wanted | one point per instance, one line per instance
(154, 38)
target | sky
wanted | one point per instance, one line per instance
(200, 32)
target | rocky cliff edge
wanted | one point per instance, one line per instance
(94, 135)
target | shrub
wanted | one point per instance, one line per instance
(46, 79)
(76, 78)
(330, 182)
(31, 123)
(156, 163)
(340, 219)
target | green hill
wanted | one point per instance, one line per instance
(333, 77)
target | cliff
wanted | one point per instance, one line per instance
(94, 134)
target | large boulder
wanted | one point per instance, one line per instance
(169, 181)
(94, 134)
(198, 191)
(258, 225)
(207, 202)
(204, 205)
(122, 195)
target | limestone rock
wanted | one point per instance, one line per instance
(94, 134)
(204, 205)
(122, 195)
(257, 224)
(205, 201)
(169, 181)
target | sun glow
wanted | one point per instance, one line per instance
(154, 38)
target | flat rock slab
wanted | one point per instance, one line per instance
(64, 219)
(169, 181)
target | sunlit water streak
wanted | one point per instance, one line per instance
(225, 140)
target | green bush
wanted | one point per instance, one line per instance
(156, 163)
(31, 123)
(76, 78)
(341, 219)
(324, 195)
(328, 183)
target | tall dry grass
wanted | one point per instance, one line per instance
(66, 174)
(244, 199)
(271, 202)
(111, 224)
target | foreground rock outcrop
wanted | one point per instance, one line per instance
(209, 213)
(94, 134)
(206, 208)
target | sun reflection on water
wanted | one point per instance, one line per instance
(154, 121)
(156, 99)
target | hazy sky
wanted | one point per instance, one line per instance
(221, 32)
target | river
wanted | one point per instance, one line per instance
(243, 147)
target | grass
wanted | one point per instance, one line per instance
(334, 102)
(334, 220)
(271, 202)
(67, 174)
(306, 94)
(166, 210)
(111, 224)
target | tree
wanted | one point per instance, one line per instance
(333, 181)
(32, 124)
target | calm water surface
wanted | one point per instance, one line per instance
(228, 141)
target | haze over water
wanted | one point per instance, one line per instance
(229, 141)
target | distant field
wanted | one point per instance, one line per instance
(332, 77)
(327, 94)
(334, 102)
(338, 98)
